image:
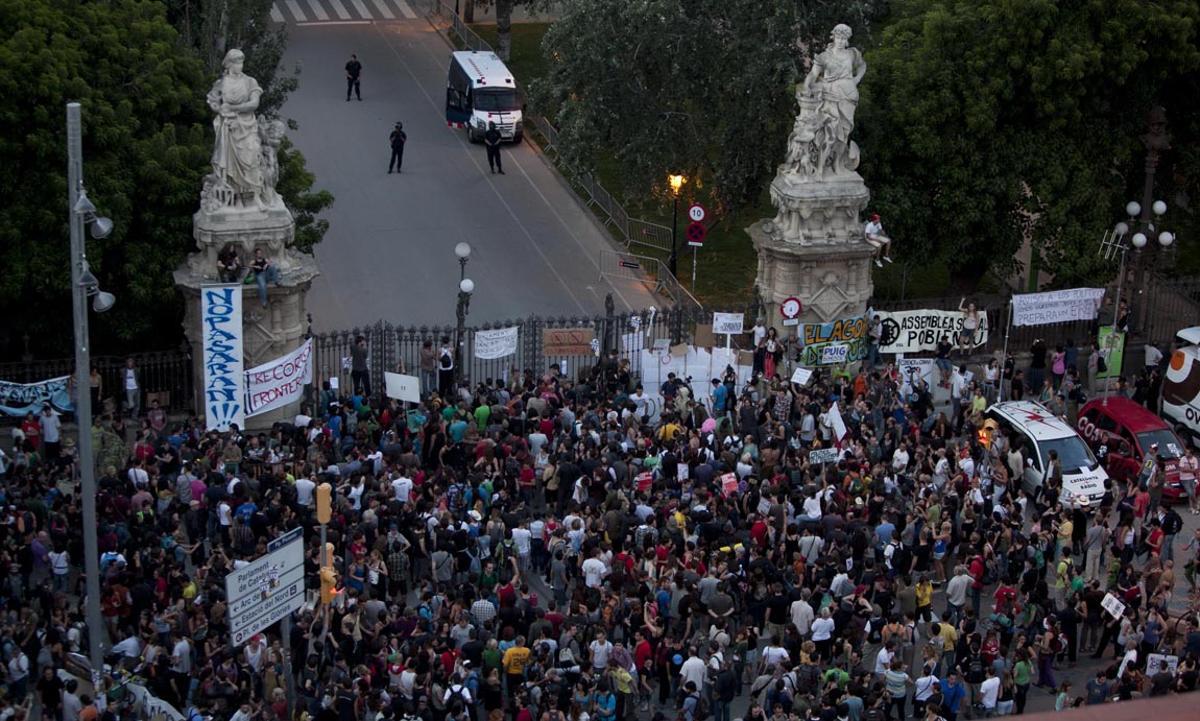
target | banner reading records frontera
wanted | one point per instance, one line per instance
(224, 375)
(278, 382)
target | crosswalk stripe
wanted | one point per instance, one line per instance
(363, 12)
(296, 11)
(405, 10)
(340, 9)
(383, 9)
(275, 14)
(318, 10)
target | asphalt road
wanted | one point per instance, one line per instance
(389, 250)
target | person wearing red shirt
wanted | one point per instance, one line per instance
(1154, 539)
(977, 570)
(758, 532)
(643, 652)
(32, 431)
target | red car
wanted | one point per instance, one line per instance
(1122, 433)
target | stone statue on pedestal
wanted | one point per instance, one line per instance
(814, 248)
(237, 159)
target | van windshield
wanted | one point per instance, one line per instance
(1073, 453)
(496, 101)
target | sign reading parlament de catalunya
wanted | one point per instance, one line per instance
(558, 342)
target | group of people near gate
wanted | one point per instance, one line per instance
(554, 549)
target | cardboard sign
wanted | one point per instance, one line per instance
(1113, 605)
(567, 341)
(704, 337)
(824, 455)
(801, 376)
(729, 484)
(402, 387)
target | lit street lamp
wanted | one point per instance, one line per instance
(83, 286)
(676, 182)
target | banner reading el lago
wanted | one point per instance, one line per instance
(839, 341)
(914, 331)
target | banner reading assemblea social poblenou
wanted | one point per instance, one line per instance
(277, 383)
(221, 348)
(17, 399)
(916, 331)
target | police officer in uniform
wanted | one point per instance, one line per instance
(353, 71)
(397, 138)
(492, 140)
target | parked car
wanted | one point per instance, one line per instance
(1181, 386)
(1122, 433)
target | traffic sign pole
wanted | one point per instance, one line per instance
(693, 269)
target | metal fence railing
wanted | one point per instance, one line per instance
(164, 375)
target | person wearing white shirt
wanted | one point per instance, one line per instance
(923, 688)
(402, 488)
(989, 691)
(802, 614)
(138, 476)
(822, 633)
(812, 508)
(594, 572)
(304, 491)
(883, 660)
(900, 458)
(774, 655)
(692, 670)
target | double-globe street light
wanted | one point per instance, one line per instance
(466, 287)
(83, 286)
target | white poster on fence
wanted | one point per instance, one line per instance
(914, 331)
(699, 364)
(727, 323)
(499, 343)
(402, 387)
(224, 369)
(279, 382)
(1056, 306)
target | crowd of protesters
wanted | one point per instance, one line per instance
(576, 549)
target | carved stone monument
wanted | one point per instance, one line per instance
(814, 248)
(240, 212)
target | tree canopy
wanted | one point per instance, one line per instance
(145, 151)
(982, 120)
(698, 87)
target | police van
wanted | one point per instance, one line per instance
(1181, 386)
(1039, 431)
(481, 90)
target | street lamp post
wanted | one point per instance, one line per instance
(676, 182)
(466, 286)
(463, 252)
(83, 285)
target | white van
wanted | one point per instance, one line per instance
(481, 90)
(1041, 432)
(1181, 386)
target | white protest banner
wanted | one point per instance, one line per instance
(1056, 306)
(402, 387)
(279, 382)
(1113, 605)
(914, 331)
(834, 353)
(823, 455)
(17, 399)
(224, 369)
(835, 420)
(801, 376)
(499, 343)
(727, 323)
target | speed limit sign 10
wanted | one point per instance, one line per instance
(697, 213)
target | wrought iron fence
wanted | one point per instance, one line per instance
(397, 348)
(165, 375)
(1168, 305)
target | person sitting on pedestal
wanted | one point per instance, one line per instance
(229, 264)
(877, 238)
(264, 272)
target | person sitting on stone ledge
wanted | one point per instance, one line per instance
(229, 264)
(264, 272)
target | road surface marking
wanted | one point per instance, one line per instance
(405, 10)
(318, 10)
(296, 11)
(275, 14)
(363, 12)
(383, 9)
(340, 9)
(326, 23)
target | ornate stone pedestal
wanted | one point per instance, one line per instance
(239, 207)
(815, 248)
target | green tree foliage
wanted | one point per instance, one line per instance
(145, 152)
(982, 120)
(697, 86)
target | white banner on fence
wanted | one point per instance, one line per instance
(1056, 306)
(279, 382)
(499, 343)
(402, 387)
(224, 369)
(914, 331)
